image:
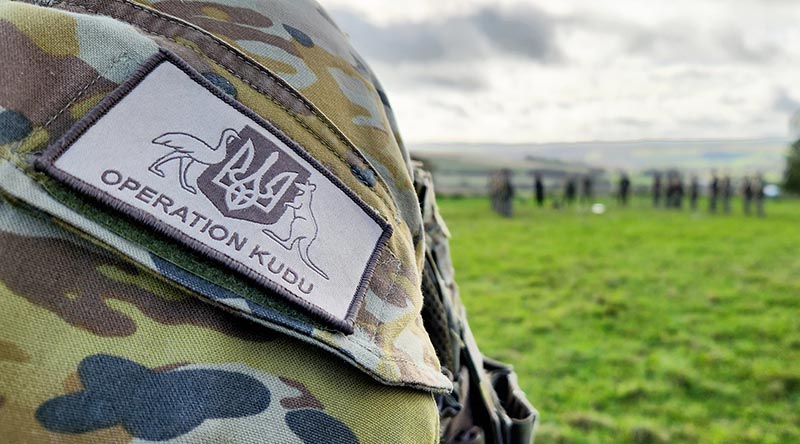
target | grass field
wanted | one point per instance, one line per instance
(640, 325)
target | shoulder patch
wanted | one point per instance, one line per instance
(174, 152)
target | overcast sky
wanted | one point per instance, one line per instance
(575, 70)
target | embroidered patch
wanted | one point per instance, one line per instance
(174, 152)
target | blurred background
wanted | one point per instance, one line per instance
(650, 293)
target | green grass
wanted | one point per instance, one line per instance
(640, 325)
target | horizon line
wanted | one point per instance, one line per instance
(784, 139)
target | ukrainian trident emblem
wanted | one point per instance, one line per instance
(249, 177)
(254, 181)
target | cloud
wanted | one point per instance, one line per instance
(454, 81)
(575, 69)
(521, 31)
(394, 42)
(784, 102)
(676, 41)
(739, 48)
(672, 42)
(633, 122)
(457, 110)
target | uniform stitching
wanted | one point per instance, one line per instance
(123, 56)
(81, 92)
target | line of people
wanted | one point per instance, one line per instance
(721, 191)
(668, 190)
(586, 190)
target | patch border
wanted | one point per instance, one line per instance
(46, 162)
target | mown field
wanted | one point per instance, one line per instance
(640, 325)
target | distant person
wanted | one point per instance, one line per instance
(586, 190)
(677, 192)
(726, 191)
(674, 198)
(538, 190)
(713, 192)
(506, 194)
(694, 192)
(657, 189)
(747, 195)
(570, 190)
(758, 195)
(624, 189)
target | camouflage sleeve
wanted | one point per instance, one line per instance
(114, 333)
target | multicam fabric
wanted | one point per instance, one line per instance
(110, 333)
(93, 349)
(389, 342)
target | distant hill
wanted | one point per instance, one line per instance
(764, 155)
(464, 166)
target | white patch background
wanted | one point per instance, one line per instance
(167, 100)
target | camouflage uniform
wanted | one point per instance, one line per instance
(112, 332)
